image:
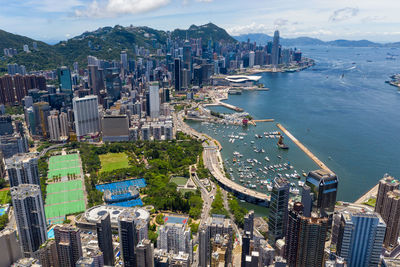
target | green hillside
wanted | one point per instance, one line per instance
(105, 43)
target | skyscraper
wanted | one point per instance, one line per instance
(127, 238)
(249, 223)
(323, 185)
(391, 215)
(311, 241)
(292, 233)
(386, 184)
(187, 56)
(245, 248)
(23, 169)
(124, 60)
(63, 124)
(177, 74)
(275, 50)
(154, 100)
(306, 200)
(65, 81)
(104, 236)
(145, 253)
(29, 216)
(252, 57)
(175, 237)
(360, 238)
(96, 83)
(278, 210)
(68, 243)
(86, 113)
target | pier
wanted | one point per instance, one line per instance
(302, 147)
(264, 120)
(219, 103)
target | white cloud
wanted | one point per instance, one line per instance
(344, 14)
(113, 8)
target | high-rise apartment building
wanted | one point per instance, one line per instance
(104, 237)
(391, 215)
(145, 253)
(292, 233)
(249, 223)
(177, 74)
(23, 169)
(68, 243)
(54, 127)
(29, 216)
(9, 247)
(386, 184)
(175, 237)
(48, 254)
(86, 113)
(323, 185)
(278, 210)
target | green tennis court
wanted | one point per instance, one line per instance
(65, 196)
(64, 186)
(64, 165)
(65, 208)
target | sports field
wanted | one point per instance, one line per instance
(113, 161)
(179, 180)
(5, 196)
(64, 165)
(63, 198)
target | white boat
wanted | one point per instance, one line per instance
(266, 158)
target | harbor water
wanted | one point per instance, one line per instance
(341, 110)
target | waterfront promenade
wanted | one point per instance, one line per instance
(373, 192)
(302, 147)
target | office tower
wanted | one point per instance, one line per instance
(65, 81)
(104, 236)
(386, 184)
(252, 57)
(391, 215)
(245, 248)
(124, 60)
(9, 247)
(96, 83)
(54, 127)
(86, 115)
(154, 100)
(187, 56)
(13, 144)
(6, 126)
(323, 185)
(249, 223)
(113, 83)
(215, 225)
(23, 169)
(275, 50)
(177, 74)
(306, 200)
(63, 118)
(145, 253)
(127, 238)
(115, 128)
(311, 241)
(292, 233)
(360, 238)
(68, 242)
(278, 210)
(29, 216)
(48, 254)
(41, 112)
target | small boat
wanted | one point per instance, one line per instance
(266, 158)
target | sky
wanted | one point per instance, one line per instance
(55, 20)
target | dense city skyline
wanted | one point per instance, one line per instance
(375, 21)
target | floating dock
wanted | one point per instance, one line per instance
(302, 147)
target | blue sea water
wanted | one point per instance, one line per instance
(341, 109)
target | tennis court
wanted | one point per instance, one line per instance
(64, 198)
(64, 165)
(121, 186)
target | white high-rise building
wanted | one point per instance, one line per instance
(54, 127)
(87, 120)
(29, 216)
(174, 237)
(252, 57)
(22, 169)
(154, 100)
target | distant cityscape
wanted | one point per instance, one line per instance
(98, 167)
